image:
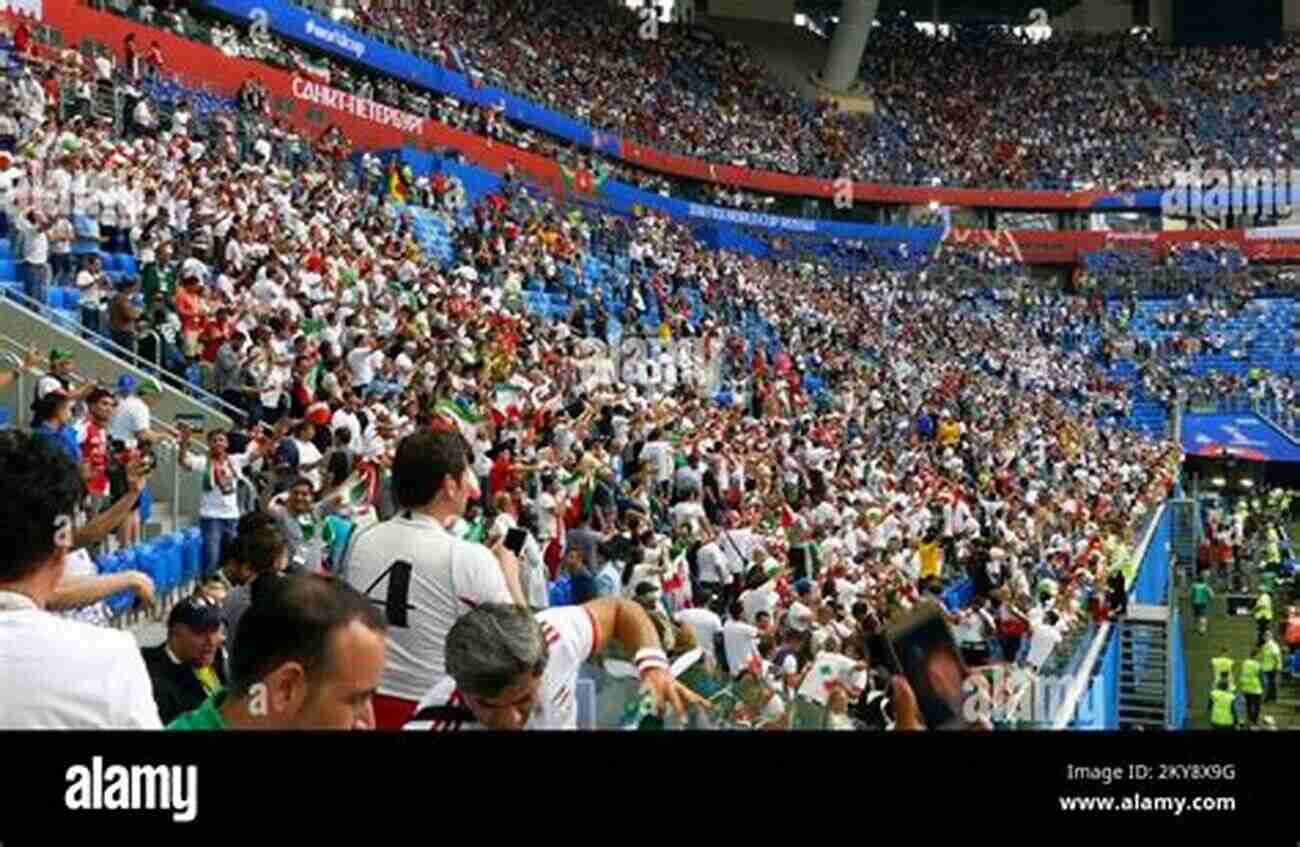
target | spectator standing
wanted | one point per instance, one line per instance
(93, 286)
(219, 510)
(93, 441)
(61, 235)
(132, 423)
(32, 228)
(445, 576)
(305, 526)
(510, 669)
(56, 673)
(124, 313)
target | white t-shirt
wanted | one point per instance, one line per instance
(686, 511)
(217, 503)
(741, 643)
(62, 674)
(307, 455)
(1042, 642)
(571, 637)
(712, 563)
(131, 418)
(705, 625)
(346, 419)
(361, 361)
(761, 599)
(827, 667)
(448, 577)
(659, 456)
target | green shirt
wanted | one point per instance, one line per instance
(205, 717)
(1200, 594)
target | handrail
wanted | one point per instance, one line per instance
(77, 378)
(131, 357)
(170, 445)
(1082, 679)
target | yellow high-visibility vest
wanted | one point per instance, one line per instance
(1250, 682)
(1221, 708)
(1223, 665)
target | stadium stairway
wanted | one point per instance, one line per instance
(1143, 668)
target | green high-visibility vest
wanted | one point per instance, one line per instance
(1250, 682)
(1223, 665)
(1272, 658)
(1221, 708)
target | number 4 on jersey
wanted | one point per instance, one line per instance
(396, 602)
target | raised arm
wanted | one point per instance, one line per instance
(616, 618)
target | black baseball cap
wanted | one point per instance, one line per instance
(198, 613)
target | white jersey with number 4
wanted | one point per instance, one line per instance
(448, 577)
(571, 638)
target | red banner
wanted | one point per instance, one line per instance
(863, 192)
(309, 106)
(1038, 247)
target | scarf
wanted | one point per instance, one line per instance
(220, 477)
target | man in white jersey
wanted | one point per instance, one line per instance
(510, 669)
(55, 673)
(424, 576)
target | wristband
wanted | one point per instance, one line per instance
(649, 658)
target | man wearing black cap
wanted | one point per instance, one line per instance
(189, 667)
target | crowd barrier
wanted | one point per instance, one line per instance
(1095, 701)
(626, 199)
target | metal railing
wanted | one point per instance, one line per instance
(1093, 649)
(168, 471)
(129, 356)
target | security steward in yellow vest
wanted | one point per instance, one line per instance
(1222, 713)
(1252, 687)
(1222, 666)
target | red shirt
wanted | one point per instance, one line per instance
(22, 38)
(94, 452)
(501, 476)
(213, 335)
(188, 305)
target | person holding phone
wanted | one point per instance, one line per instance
(532, 564)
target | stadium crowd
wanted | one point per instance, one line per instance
(702, 98)
(768, 460)
(887, 425)
(1137, 111)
